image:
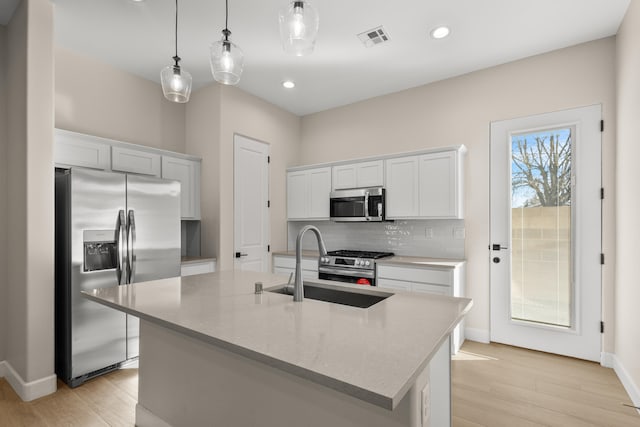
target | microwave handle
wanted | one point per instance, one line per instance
(366, 204)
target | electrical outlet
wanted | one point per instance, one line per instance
(458, 233)
(428, 233)
(426, 405)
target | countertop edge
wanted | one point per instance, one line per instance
(196, 260)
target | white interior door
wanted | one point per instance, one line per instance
(251, 198)
(545, 232)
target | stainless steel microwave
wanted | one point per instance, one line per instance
(358, 205)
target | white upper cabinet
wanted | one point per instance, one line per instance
(402, 190)
(74, 149)
(308, 194)
(188, 173)
(358, 175)
(440, 185)
(425, 186)
(135, 161)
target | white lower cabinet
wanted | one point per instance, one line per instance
(198, 267)
(433, 280)
(286, 264)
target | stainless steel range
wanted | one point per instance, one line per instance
(350, 266)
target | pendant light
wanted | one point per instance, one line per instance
(226, 58)
(299, 24)
(176, 81)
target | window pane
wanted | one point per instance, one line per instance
(541, 194)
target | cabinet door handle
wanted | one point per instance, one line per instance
(239, 254)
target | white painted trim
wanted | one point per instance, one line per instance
(606, 359)
(146, 418)
(31, 390)
(632, 388)
(477, 335)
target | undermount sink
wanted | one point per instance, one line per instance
(321, 292)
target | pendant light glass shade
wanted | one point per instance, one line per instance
(299, 23)
(227, 60)
(176, 83)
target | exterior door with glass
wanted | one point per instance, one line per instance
(546, 232)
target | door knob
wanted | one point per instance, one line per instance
(496, 260)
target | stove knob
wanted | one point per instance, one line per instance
(357, 262)
(367, 263)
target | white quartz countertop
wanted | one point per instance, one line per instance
(373, 354)
(409, 261)
(195, 259)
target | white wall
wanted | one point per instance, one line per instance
(214, 114)
(459, 111)
(3, 191)
(202, 138)
(97, 99)
(627, 337)
(30, 283)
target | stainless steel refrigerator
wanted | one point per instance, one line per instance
(111, 229)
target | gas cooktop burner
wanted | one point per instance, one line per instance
(360, 254)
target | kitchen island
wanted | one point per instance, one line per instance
(212, 352)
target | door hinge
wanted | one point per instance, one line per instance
(601, 125)
(602, 327)
(602, 194)
(268, 159)
(268, 203)
(268, 248)
(602, 259)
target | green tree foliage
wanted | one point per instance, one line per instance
(544, 165)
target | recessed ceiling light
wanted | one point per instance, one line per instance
(288, 84)
(440, 32)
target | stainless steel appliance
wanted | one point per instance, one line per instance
(111, 229)
(357, 205)
(350, 266)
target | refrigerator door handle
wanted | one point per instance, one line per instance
(131, 243)
(120, 244)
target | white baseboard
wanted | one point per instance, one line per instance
(629, 385)
(31, 390)
(146, 418)
(477, 335)
(606, 359)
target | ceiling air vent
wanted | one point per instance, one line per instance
(374, 37)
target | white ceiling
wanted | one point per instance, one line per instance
(138, 37)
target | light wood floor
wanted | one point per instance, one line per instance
(496, 385)
(493, 385)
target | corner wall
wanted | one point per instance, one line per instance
(29, 341)
(97, 99)
(202, 138)
(459, 111)
(254, 118)
(3, 192)
(627, 342)
(214, 115)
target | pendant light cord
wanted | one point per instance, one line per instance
(176, 58)
(226, 15)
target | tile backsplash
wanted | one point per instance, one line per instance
(427, 238)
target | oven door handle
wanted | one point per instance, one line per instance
(346, 272)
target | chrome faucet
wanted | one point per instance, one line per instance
(298, 286)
